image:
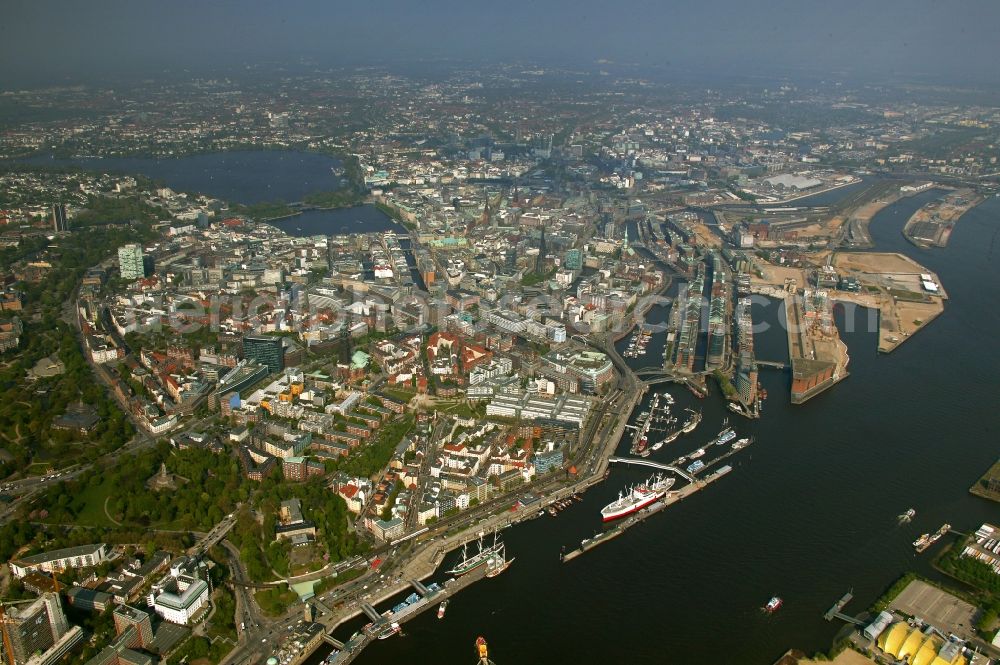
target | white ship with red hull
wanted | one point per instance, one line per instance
(637, 498)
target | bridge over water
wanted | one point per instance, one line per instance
(654, 465)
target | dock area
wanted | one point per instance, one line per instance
(836, 612)
(672, 497)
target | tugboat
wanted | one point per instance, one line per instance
(773, 605)
(482, 651)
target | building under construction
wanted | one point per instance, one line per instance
(36, 631)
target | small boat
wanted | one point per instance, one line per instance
(773, 605)
(390, 630)
(481, 650)
(698, 453)
(441, 608)
(907, 516)
(742, 443)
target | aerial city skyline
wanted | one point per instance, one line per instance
(504, 334)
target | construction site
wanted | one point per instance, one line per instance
(931, 226)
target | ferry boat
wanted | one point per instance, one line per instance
(692, 422)
(697, 466)
(469, 563)
(725, 436)
(441, 608)
(773, 605)
(392, 629)
(637, 498)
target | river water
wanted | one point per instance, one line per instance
(808, 512)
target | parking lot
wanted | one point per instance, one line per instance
(937, 608)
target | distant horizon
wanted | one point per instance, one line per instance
(61, 42)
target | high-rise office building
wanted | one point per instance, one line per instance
(36, 627)
(267, 351)
(59, 221)
(131, 261)
(574, 259)
(127, 617)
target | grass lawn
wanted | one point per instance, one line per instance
(400, 394)
(93, 499)
(274, 601)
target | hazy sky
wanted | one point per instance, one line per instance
(64, 40)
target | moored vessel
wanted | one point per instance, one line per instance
(392, 629)
(692, 421)
(498, 563)
(695, 467)
(469, 563)
(637, 498)
(742, 443)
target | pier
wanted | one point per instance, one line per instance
(836, 613)
(672, 497)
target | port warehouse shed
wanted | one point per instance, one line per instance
(875, 628)
(918, 647)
